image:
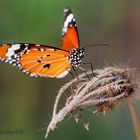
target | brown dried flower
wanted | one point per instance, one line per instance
(110, 87)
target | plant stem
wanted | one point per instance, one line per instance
(134, 117)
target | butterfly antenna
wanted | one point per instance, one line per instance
(92, 45)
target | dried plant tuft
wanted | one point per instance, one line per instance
(109, 87)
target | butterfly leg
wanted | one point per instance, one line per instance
(75, 73)
(91, 66)
(84, 72)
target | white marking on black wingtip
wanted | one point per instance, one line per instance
(66, 10)
(12, 49)
(68, 22)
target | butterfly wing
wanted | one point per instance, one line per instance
(70, 39)
(36, 60)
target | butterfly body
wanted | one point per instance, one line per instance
(76, 56)
(43, 60)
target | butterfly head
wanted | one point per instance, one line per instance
(76, 55)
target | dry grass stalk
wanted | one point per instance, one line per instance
(134, 117)
(110, 87)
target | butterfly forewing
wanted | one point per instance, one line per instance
(70, 39)
(36, 60)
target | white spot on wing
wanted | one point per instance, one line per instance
(10, 53)
(15, 47)
(66, 10)
(63, 74)
(68, 20)
(11, 50)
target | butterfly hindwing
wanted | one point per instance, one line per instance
(36, 60)
(70, 39)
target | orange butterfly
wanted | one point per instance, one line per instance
(47, 61)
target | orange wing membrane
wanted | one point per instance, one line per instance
(36, 60)
(70, 38)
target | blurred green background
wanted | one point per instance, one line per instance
(26, 103)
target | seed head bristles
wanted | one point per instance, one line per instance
(110, 87)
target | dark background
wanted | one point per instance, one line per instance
(25, 103)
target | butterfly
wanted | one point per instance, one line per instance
(43, 60)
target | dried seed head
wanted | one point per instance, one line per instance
(110, 87)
